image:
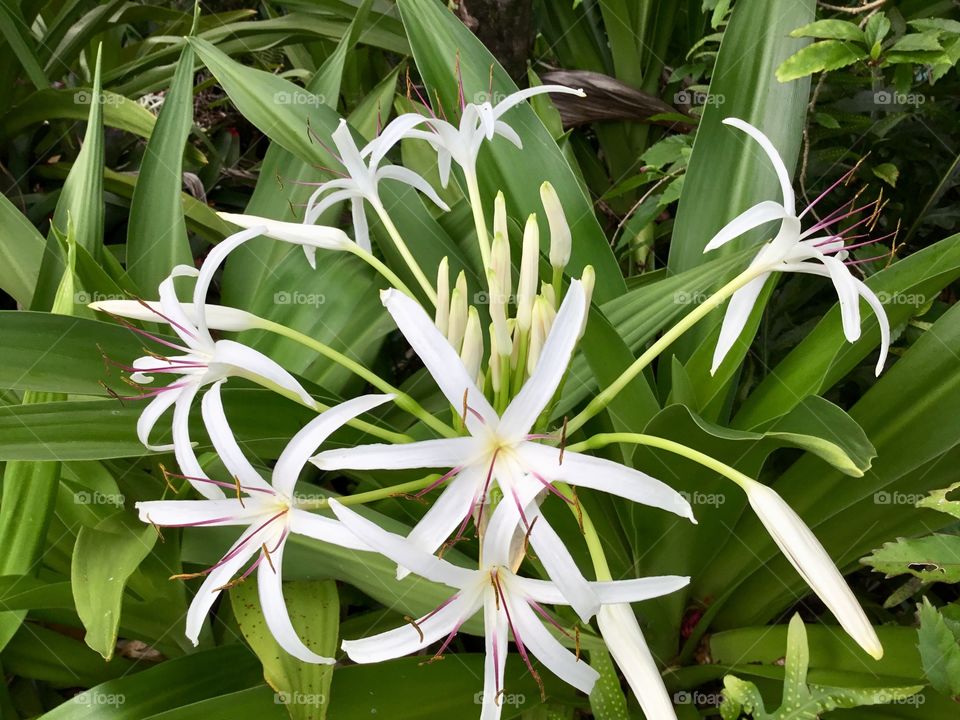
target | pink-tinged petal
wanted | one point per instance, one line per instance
(626, 644)
(783, 176)
(275, 610)
(442, 453)
(548, 650)
(754, 217)
(603, 475)
(200, 513)
(152, 412)
(440, 359)
(183, 446)
(238, 556)
(325, 529)
(233, 358)
(536, 392)
(735, 318)
(447, 513)
(218, 428)
(295, 455)
(406, 639)
(402, 551)
(496, 632)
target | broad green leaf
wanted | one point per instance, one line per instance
(304, 688)
(934, 558)
(21, 252)
(103, 559)
(915, 42)
(831, 30)
(940, 649)
(156, 232)
(819, 57)
(15, 31)
(607, 701)
(938, 500)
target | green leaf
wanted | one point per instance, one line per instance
(831, 30)
(819, 57)
(938, 501)
(103, 559)
(887, 172)
(304, 688)
(156, 232)
(607, 701)
(876, 30)
(917, 42)
(940, 649)
(934, 558)
(21, 252)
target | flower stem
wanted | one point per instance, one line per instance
(479, 220)
(594, 544)
(403, 401)
(370, 495)
(389, 275)
(611, 391)
(405, 253)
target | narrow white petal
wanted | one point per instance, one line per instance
(536, 393)
(316, 209)
(496, 632)
(444, 163)
(211, 263)
(219, 317)
(409, 177)
(177, 513)
(209, 590)
(874, 302)
(616, 591)
(275, 610)
(361, 228)
(622, 635)
(402, 551)
(548, 650)
(315, 433)
(405, 640)
(318, 236)
(325, 529)
(785, 185)
(349, 153)
(808, 556)
(235, 358)
(736, 317)
(440, 359)
(443, 453)
(221, 435)
(394, 132)
(151, 414)
(173, 313)
(603, 475)
(518, 97)
(759, 214)
(843, 283)
(183, 446)
(507, 132)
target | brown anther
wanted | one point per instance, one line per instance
(186, 576)
(228, 585)
(110, 391)
(466, 392)
(579, 508)
(416, 626)
(499, 696)
(236, 482)
(536, 676)
(166, 478)
(432, 659)
(409, 496)
(576, 641)
(269, 559)
(526, 537)
(280, 182)
(563, 440)
(157, 528)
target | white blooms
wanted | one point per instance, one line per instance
(561, 240)
(793, 250)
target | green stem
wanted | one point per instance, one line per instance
(370, 495)
(594, 544)
(479, 221)
(377, 264)
(611, 391)
(406, 254)
(402, 400)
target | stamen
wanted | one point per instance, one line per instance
(563, 440)
(266, 553)
(236, 479)
(416, 626)
(521, 648)
(172, 323)
(443, 478)
(577, 507)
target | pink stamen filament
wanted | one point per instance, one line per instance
(548, 617)
(172, 323)
(843, 178)
(232, 486)
(439, 482)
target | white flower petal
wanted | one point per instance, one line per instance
(315, 433)
(508, 133)
(808, 556)
(394, 132)
(316, 208)
(440, 359)
(548, 650)
(211, 263)
(219, 317)
(402, 551)
(603, 475)
(759, 214)
(843, 283)
(518, 97)
(349, 153)
(621, 633)
(785, 186)
(536, 392)
(405, 640)
(183, 446)
(325, 529)
(173, 313)
(616, 591)
(275, 610)
(361, 228)
(151, 414)
(736, 317)
(233, 358)
(318, 236)
(186, 513)
(221, 435)
(409, 177)
(497, 635)
(882, 321)
(442, 453)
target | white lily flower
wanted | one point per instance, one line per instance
(624, 639)
(197, 362)
(500, 448)
(219, 317)
(811, 560)
(511, 604)
(310, 237)
(816, 251)
(461, 143)
(364, 175)
(268, 511)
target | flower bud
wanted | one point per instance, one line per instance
(589, 280)
(442, 317)
(549, 294)
(542, 320)
(495, 364)
(472, 352)
(500, 216)
(458, 312)
(560, 238)
(529, 273)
